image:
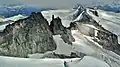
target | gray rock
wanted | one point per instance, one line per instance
(58, 29)
(62, 56)
(109, 41)
(27, 36)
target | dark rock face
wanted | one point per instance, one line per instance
(95, 13)
(27, 36)
(58, 29)
(62, 56)
(56, 26)
(109, 41)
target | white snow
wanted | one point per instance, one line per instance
(88, 61)
(15, 18)
(62, 47)
(108, 20)
(2, 27)
(96, 32)
(91, 26)
(77, 10)
(11, 20)
(22, 62)
(81, 44)
(85, 44)
(79, 17)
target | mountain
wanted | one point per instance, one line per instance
(81, 37)
(13, 10)
(110, 7)
(90, 32)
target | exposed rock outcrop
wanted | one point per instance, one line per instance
(95, 12)
(109, 41)
(27, 36)
(58, 29)
(62, 56)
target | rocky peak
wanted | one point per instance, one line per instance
(56, 26)
(78, 11)
(27, 36)
(58, 29)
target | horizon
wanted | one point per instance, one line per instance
(57, 3)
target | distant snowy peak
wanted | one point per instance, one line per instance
(78, 11)
(110, 7)
(10, 20)
(15, 18)
(13, 10)
(79, 17)
(84, 14)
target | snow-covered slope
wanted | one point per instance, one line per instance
(84, 43)
(109, 20)
(22, 62)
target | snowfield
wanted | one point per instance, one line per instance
(22, 62)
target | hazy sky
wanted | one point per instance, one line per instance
(53, 3)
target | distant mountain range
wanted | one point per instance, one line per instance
(110, 7)
(13, 10)
(7, 11)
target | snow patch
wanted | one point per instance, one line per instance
(62, 47)
(81, 43)
(79, 17)
(15, 18)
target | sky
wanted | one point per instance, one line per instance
(53, 3)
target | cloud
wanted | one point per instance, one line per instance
(52, 3)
